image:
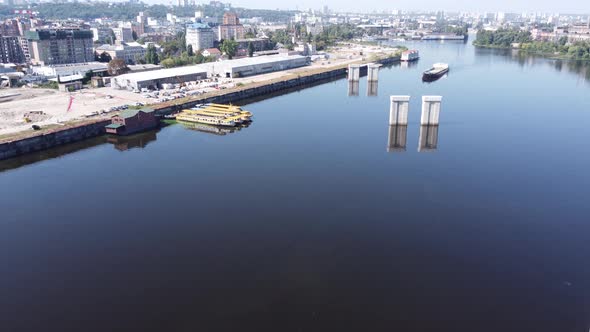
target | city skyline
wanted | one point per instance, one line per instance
(518, 6)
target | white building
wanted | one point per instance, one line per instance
(101, 34)
(123, 35)
(259, 65)
(156, 78)
(200, 36)
(129, 52)
(69, 70)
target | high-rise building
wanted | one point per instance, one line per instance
(230, 19)
(60, 46)
(11, 50)
(231, 27)
(200, 36)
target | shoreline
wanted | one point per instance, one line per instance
(14, 145)
(541, 54)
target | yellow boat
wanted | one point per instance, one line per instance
(221, 107)
(201, 118)
(237, 117)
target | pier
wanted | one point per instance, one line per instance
(354, 72)
(373, 72)
(430, 110)
(398, 110)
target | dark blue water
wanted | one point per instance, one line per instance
(305, 222)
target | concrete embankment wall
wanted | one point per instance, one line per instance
(52, 139)
(256, 91)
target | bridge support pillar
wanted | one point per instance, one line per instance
(430, 110)
(398, 110)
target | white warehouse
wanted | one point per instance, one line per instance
(154, 79)
(228, 69)
(261, 65)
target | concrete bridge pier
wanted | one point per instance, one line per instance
(373, 72)
(398, 111)
(430, 110)
(396, 140)
(354, 72)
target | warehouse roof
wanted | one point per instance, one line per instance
(259, 60)
(206, 67)
(163, 73)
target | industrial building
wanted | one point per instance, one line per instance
(156, 78)
(261, 65)
(228, 69)
(96, 68)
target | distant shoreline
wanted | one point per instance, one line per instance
(542, 54)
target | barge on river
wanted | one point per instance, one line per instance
(436, 72)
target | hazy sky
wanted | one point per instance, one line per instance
(569, 6)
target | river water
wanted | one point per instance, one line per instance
(312, 219)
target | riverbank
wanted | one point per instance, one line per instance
(549, 55)
(58, 134)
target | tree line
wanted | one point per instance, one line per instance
(505, 38)
(128, 11)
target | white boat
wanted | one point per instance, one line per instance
(410, 55)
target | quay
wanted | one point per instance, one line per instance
(33, 141)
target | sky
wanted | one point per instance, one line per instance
(517, 6)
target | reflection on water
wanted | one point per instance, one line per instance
(408, 64)
(56, 152)
(353, 88)
(372, 89)
(579, 67)
(428, 138)
(215, 130)
(124, 143)
(396, 140)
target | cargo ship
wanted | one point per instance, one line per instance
(410, 55)
(436, 72)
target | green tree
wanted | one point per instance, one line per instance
(151, 55)
(189, 50)
(168, 63)
(250, 49)
(134, 34)
(104, 57)
(229, 47)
